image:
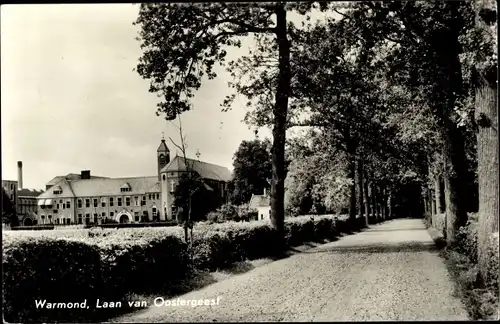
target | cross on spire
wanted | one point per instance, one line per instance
(162, 136)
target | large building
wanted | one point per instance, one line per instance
(84, 199)
(24, 199)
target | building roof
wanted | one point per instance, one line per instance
(259, 201)
(204, 169)
(103, 187)
(29, 192)
(163, 147)
(70, 177)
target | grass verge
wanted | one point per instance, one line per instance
(481, 302)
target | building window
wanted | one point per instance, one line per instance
(87, 218)
(149, 197)
(127, 201)
(111, 202)
(111, 214)
(157, 196)
(57, 192)
(145, 216)
(103, 214)
(136, 200)
(143, 201)
(119, 202)
(57, 206)
(57, 221)
(79, 203)
(164, 178)
(50, 219)
(153, 212)
(80, 219)
(95, 218)
(95, 202)
(87, 203)
(136, 216)
(103, 202)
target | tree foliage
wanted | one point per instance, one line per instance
(252, 170)
(191, 190)
(8, 210)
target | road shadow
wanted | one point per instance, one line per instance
(396, 229)
(378, 248)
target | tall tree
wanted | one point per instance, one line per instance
(181, 44)
(252, 170)
(486, 117)
(427, 59)
(9, 215)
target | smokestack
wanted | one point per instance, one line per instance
(19, 175)
(85, 175)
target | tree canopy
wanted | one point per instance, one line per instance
(252, 170)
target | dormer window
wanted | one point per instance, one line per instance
(125, 187)
(57, 190)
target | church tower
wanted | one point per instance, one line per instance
(163, 156)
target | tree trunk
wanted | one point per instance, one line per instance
(351, 171)
(280, 111)
(366, 200)
(437, 194)
(352, 196)
(425, 200)
(486, 117)
(374, 201)
(455, 168)
(381, 202)
(377, 201)
(456, 215)
(359, 174)
(389, 204)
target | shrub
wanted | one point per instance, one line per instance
(229, 212)
(467, 239)
(110, 263)
(493, 264)
(140, 265)
(52, 270)
(245, 213)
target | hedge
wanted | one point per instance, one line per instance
(111, 263)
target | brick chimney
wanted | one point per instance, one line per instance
(19, 175)
(85, 174)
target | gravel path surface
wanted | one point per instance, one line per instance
(390, 271)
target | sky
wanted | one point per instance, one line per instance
(71, 100)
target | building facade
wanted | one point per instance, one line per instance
(10, 188)
(24, 199)
(86, 199)
(26, 206)
(215, 178)
(263, 205)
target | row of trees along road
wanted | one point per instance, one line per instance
(395, 98)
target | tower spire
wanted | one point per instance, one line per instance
(162, 136)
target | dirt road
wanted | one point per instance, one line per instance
(390, 271)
